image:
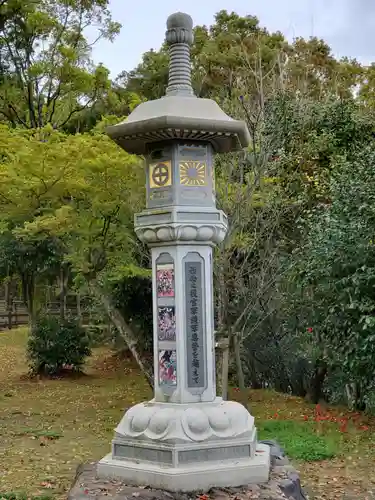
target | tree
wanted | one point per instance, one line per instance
(33, 261)
(312, 70)
(338, 270)
(117, 101)
(80, 192)
(150, 78)
(237, 56)
(49, 75)
(269, 195)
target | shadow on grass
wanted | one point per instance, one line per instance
(299, 439)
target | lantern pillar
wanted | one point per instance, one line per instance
(186, 438)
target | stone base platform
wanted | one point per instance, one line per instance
(201, 476)
(283, 484)
(174, 446)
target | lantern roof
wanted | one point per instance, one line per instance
(179, 114)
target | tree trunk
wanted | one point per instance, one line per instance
(123, 328)
(299, 378)
(224, 349)
(79, 311)
(240, 374)
(252, 372)
(237, 353)
(282, 383)
(351, 395)
(354, 397)
(31, 300)
(62, 294)
(221, 297)
(315, 391)
(28, 295)
(9, 299)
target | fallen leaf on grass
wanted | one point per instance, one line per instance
(47, 485)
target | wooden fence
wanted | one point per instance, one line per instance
(15, 314)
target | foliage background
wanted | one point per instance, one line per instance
(294, 277)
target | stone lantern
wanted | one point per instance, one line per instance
(186, 438)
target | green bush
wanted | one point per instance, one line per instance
(55, 344)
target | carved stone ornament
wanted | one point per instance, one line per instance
(205, 233)
(209, 421)
(179, 37)
(179, 29)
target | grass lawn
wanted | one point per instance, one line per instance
(47, 427)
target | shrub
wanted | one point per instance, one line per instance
(55, 344)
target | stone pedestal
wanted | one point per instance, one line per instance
(184, 447)
(185, 438)
(284, 483)
(189, 477)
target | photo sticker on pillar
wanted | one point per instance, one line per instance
(166, 323)
(165, 280)
(167, 367)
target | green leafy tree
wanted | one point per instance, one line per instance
(339, 271)
(270, 195)
(33, 261)
(237, 56)
(117, 102)
(80, 191)
(49, 73)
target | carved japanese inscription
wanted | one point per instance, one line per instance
(195, 327)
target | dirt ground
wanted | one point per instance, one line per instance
(49, 427)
